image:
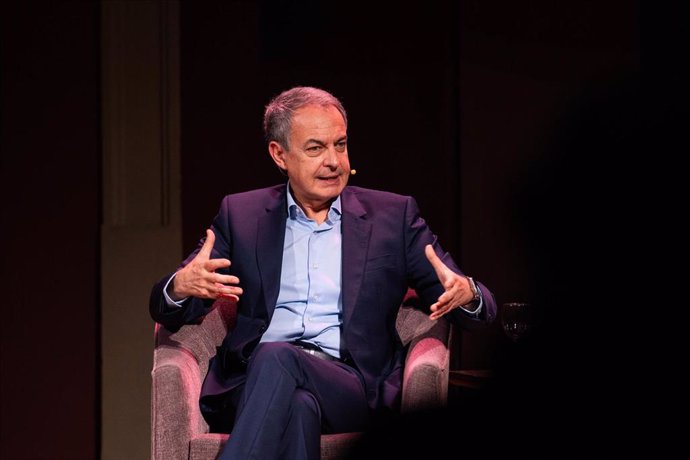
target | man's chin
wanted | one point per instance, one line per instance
(329, 192)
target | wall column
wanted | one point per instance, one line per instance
(141, 231)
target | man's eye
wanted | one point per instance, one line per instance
(315, 148)
(340, 146)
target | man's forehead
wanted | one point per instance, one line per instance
(315, 117)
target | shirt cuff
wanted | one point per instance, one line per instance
(168, 300)
(477, 311)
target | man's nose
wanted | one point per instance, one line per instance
(330, 158)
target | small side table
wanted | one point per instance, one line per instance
(469, 378)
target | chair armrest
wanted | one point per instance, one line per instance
(425, 378)
(175, 415)
(180, 362)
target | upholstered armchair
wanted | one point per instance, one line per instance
(180, 362)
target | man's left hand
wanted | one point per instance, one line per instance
(458, 291)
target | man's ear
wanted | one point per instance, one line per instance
(277, 152)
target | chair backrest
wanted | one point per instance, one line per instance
(412, 323)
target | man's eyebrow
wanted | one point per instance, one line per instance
(315, 141)
(322, 143)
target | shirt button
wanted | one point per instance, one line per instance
(315, 266)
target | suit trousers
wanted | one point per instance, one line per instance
(289, 398)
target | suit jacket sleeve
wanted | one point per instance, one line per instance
(193, 309)
(422, 276)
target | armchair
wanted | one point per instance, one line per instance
(180, 362)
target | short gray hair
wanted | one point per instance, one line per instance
(279, 112)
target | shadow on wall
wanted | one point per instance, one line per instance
(564, 384)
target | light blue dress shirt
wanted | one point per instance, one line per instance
(310, 304)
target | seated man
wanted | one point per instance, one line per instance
(318, 270)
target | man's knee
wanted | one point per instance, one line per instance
(305, 403)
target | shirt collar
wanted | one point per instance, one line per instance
(293, 210)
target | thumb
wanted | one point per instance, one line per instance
(439, 267)
(205, 252)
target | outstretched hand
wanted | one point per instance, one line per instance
(199, 277)
(457, 288)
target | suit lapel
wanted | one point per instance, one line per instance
(269, 249)
(356, 232)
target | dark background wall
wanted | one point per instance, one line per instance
(391, 68)
(451, 102)
(526, 71)
(50, 189)
(454, 104)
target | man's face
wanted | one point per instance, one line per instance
(317, 162)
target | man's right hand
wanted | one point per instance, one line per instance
(199, 277)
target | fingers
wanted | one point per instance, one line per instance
(218, 285)
(452, 293)
(205, 252)
(229, 296)
(439, 309)
(228, 292)
(204, 255)
(199, 278)
(208, 289)
(215, 264)
(216, 291)
(223, 279)
(451, 299)
(439, 267)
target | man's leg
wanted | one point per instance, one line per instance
(277, 406)
(304, 420)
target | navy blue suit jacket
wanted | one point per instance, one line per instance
(383, 239)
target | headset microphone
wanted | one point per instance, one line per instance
(353, 172)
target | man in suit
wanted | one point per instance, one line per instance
(318, 270)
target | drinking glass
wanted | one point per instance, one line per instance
(516, 320)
